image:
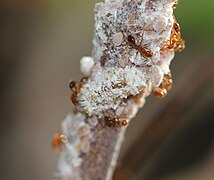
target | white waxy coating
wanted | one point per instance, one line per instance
(120, 69)
(79, 138)
(86, 65)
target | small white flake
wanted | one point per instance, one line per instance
(86, 65)
(118, 38)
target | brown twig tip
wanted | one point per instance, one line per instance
(134, 43)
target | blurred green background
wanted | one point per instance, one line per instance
(41, 42)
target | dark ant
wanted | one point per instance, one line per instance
(142, 50)
(72, 85)
(115, 122)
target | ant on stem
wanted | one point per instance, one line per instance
(58, 140)
(166, 84)
(115, 122)
(75, 88)
(146, 53)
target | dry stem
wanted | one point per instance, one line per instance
(120, 75)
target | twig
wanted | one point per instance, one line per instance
(129, 59)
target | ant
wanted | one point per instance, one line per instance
(115, 122)
(176, 42)
(166, 84)
(58, 140)
(75, 88)
(146, 53)
(175, 5)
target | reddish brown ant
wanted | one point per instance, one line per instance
(115, 122)
(146, 53)
(75, 88)
(166, 84)
(175, 42)
(167, 81)
(58, 140)
(160, 92)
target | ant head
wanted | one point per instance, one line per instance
(72, 85)
(131, 39)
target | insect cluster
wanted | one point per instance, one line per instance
(175, 42)
(99, 100)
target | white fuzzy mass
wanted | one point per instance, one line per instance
(78, 132)
(107, 88)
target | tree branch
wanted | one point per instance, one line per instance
(132, 52)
